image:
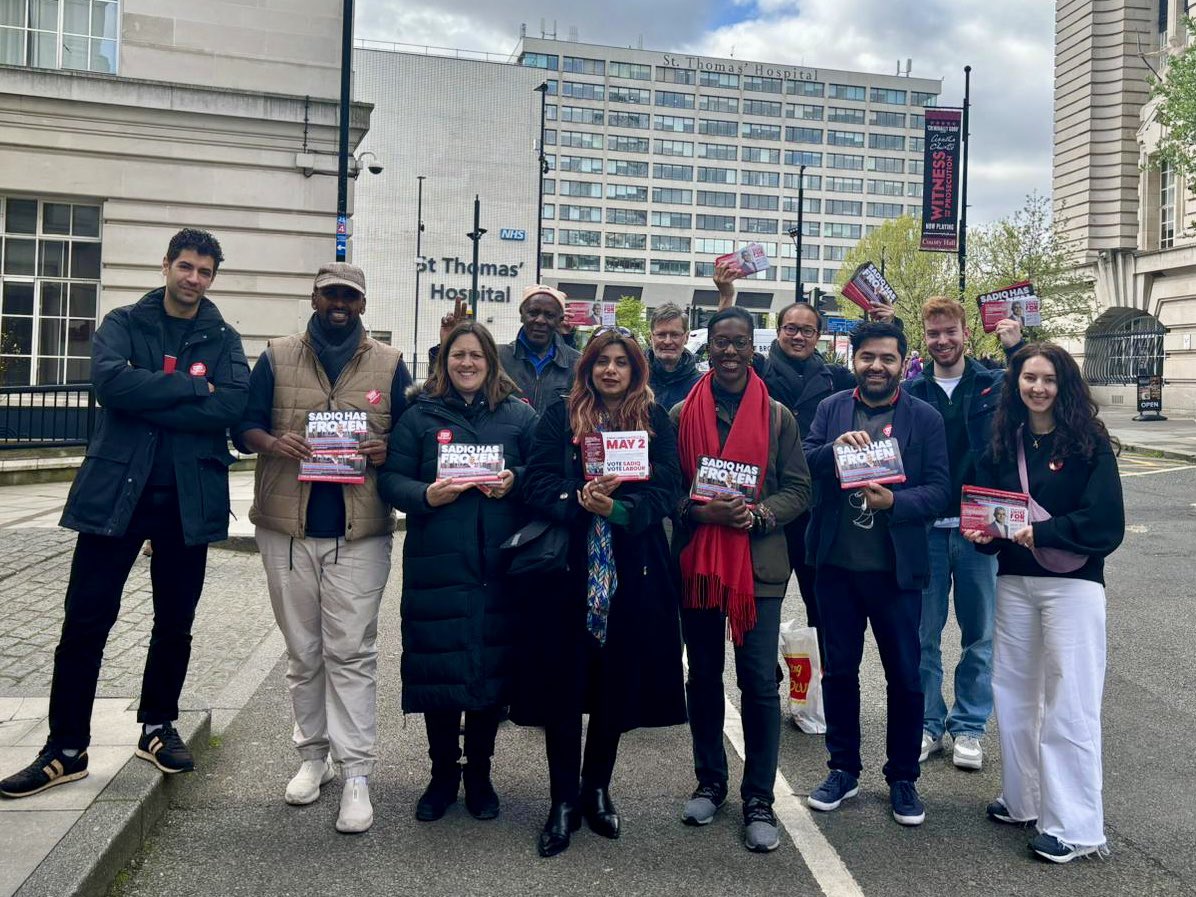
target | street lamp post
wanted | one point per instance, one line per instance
(342, 164)
(543, 164)
(419, 259)
(795, 233)
(476, 236)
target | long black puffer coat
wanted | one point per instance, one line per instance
(458, 617)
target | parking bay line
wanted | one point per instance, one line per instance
(1146, 473)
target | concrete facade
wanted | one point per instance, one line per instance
(1130, 221)
(216, 118)
(659, 163)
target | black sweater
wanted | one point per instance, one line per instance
(1083, 497)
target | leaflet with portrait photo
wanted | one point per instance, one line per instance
(1016, 301)
(868, 287)
(877, 462)
(623, 453)
(335, 438)
(723, 477)
(744, 261)
(993, 511)
(470, 462)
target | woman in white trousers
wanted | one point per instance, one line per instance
(1049, 633)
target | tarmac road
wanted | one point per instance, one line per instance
(229, 832)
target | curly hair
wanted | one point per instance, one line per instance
(585, 405)
(495, 387)
(199, 241)
(1079, 432)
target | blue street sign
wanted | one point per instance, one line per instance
(841, 325)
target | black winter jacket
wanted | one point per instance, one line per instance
(139, 400)
(671, 387)
(800, 393)
(552, 384)
(458, 616)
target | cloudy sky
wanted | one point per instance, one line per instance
(1009, 45)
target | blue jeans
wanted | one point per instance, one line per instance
(952, 557)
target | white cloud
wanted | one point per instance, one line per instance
(1010, 46)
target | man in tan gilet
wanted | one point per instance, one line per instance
(323, 532)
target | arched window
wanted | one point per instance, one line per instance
(1120, 344)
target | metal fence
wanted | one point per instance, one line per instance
(1115, 353)
(46, 416)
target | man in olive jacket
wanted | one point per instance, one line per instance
(170, 376)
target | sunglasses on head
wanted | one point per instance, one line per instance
(622, 331)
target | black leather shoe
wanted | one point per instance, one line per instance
(600, 812)
(440, 794)
(481, 800)
(563, 820)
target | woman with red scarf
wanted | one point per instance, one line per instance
(602, 637)
(734, 568)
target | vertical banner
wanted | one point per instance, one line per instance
(940, 180)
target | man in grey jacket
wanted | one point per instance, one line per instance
(538, 359)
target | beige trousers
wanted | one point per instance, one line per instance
(325, 594)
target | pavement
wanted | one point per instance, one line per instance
(126, 830)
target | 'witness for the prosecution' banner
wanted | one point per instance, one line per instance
(940, 181)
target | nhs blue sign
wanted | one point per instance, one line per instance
(510, 233)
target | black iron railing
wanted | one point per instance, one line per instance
(46, 416)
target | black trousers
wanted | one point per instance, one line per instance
(849, 601)
(444, 735)
(562, 740)
(795, 537)
(99, 569)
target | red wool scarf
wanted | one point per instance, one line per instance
(716, 565)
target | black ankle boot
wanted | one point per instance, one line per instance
(563, 820)
(440, 794)
(600, 812)
(480, 798)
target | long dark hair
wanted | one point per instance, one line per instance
(1078, 430)
(496, 386)
(585, 404)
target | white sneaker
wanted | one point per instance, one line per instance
(304, 788)
(930, 745)
(357, 813)
(967, 753)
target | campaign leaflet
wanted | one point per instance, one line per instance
(582, 312)
(470, 462)
(1000, 514)
(877, 462)
(719, 477)
(744, 261)
(1016, 301)
(335, 437)
(621, 452)
(868, 287)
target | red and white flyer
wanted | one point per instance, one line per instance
(335, 438)
(621, 452)
(721, 477)
(470, 462)
(868, 287)
(1016, 301)
(746, 260)
(993, 511)
(877, 462)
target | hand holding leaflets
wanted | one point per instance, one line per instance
(987, 514)
(333, 447)
(868, 289)
(622, 454)
(744, 261)
(863, 462)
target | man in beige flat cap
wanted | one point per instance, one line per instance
(323, 532)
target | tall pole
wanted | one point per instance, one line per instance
(419, 261)
(342, 164)
(963, 188)
(543, 164)
(476, 236)
(801, 201)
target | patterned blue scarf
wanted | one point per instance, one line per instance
(602, 577)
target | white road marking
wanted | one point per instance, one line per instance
(1146, 473)
(822, 860)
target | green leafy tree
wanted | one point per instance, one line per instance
(1176, 110)
(1026, 245)
(630, 313)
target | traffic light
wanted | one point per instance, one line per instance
(823, 301)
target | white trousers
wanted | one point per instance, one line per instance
(325, 594)
(1048, 681)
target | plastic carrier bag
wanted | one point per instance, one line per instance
(799, 647)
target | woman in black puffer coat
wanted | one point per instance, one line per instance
(458, 617)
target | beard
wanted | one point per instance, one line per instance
(949, 358)
(876, 391)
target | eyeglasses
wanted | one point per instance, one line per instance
(793, 330)
(622, 331)
(722, 343)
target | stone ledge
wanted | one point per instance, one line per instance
(112, 830)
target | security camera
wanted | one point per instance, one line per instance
(373, 165)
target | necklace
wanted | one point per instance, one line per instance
(1034, 437)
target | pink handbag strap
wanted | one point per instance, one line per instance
(1021, 461)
